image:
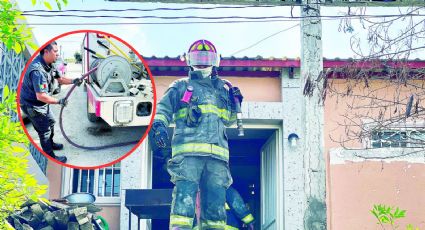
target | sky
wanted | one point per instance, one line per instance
(267, 39)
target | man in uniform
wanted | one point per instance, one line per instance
(201, 108)
(36, 96)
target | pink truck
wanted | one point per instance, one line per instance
(120, 90)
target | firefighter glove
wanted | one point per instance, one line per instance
(63, 101)
(160, 134)
(235, 92)
(77, 81)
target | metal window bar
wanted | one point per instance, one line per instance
(104, 182)
(397, 138)
(88, 181)
(112, 181)
(79, 180)
(117, 172)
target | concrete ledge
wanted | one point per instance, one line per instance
(262, 110)
(411, 155)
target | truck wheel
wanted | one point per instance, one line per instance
(91, 116)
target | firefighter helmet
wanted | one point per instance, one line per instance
(202, 53)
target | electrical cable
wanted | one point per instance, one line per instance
(226, 17)
(153, 23)
(154, 9)
(284, 19)
(81, 146)
(281, 4)
(258, 42)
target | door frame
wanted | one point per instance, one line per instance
(278, 127)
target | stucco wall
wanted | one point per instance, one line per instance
(253, 89)
(54, 175)
(112, 216)
(355, 184)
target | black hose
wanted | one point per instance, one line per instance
(87, 147)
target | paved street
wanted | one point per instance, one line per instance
(80, 130)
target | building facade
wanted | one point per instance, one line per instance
(267, 164)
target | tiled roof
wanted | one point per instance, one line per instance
(265, 67)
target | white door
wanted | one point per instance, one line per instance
(269, 161)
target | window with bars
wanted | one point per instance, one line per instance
(103, 183)
(398, 138)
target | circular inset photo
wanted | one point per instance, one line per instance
(86, 99)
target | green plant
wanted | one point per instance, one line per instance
(387, 215)
(410, 227)
(13, 32)
(16, 185)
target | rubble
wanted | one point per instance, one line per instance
(50, 215)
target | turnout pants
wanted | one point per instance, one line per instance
(212, 177)
(44, 124)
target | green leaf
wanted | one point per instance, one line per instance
(32, 45)
(65, 2)
(17, 48)
(375, 214)
(47, 5)
(18, 149)
(59, 4)
(385, 219)
(33, 2)
(6, 93)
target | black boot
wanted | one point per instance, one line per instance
(57, 146)
(62, 159)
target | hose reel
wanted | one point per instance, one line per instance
(113, 75)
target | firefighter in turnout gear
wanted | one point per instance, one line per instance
(201, 108)
(35, 97)
(237, 212)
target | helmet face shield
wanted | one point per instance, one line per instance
(202, 53)
(204, 58)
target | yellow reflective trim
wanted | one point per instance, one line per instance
(248, 219)
(214, 224)
(228, 227)
(208, 108)
(200, 148)
(182, 221)
(162, 118)
(226, 206)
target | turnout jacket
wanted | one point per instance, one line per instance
(209, 110)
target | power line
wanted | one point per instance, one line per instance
(225, 17)
(161, 23)
(153, 9)
(263, 39)
(170, 23)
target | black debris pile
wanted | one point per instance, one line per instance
(50, 215)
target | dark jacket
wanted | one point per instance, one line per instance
(207, 134)
(37, 79)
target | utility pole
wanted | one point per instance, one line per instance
(312, 116)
